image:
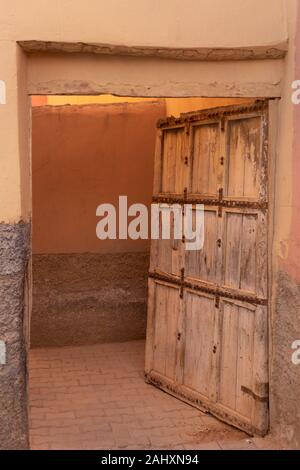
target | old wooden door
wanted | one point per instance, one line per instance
(207, 310)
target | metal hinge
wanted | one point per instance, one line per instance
(254, 395)
(220, 209)
(222, 123)
(181, 282)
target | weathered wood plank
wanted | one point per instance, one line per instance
(202, 264)
(275, 51)
(199, 342)
(212, 339)
(205, 155)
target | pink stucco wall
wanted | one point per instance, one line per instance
(285, 318)
(83, 156)
(293, 262)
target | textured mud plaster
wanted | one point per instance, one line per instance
(88, 298)
(14, 242)
(285, 376)
(275, 51)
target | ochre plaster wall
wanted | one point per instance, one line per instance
(83, 156)
(197, 23)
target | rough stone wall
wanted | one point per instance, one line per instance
(88, 298)
(14, 242)
(285, 330)
(285, 376)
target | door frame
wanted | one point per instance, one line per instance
(56, 72)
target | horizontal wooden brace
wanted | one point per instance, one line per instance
(209, 54)
(200, 402)
(217, 291)
(259, 205)
(214, 113)
(254, 395)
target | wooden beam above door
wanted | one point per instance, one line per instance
(211, 54)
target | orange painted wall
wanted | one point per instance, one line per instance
(83, 156)
(40, 100)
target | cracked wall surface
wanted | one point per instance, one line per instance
(14, 249)
(285, 376)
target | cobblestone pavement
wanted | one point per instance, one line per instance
(95, 397)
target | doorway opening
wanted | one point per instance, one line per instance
(89, 302)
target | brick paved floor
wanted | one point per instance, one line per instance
(94, 397)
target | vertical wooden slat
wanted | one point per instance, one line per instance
(228, 360)
(202, 264)
(248, 280)
(165, 330)
(235, 161)
(149, 350)
(174, 169)
(252, 128)
(260, 370)
(246, 323)
(232, 249)
(205, 159)
(158, 163)
(199, 337)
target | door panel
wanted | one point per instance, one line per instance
(199, 342)
(173, 161)
(240, 270)
(167, 307)
(207, 334)
(244, 150)
(166, 254)
(205, 153)
(202, 265)
(236, 368)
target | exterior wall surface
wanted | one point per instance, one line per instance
(14, 251)
(224, 24)
(285, 326)
(80, 100)
(195, 24)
